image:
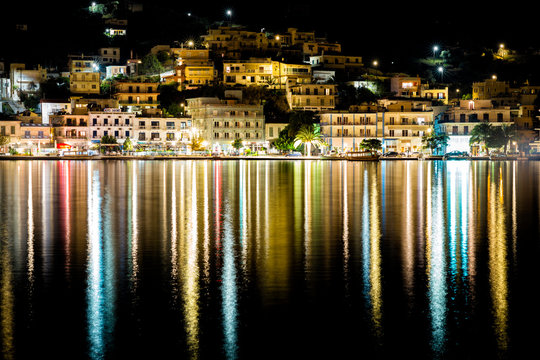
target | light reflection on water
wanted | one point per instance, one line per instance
(231, 242)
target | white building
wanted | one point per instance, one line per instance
(220, 122)
(51, 107)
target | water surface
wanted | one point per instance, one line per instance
(269, 259)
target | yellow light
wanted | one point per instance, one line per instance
(501, 46)
(494, 77)
(277, 37)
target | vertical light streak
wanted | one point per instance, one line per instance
(243, 183)
(229, 290)
(94, 293)
(307, 217)
(191, 273)
(30, 240)
(345, 228)
(366, 261)
(498, 266)
(408, 261)
(134, 241)
(206, 251)
(7, 301)
(375, 256)
(437, 263)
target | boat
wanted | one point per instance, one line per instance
(361, 156)
(456, 155)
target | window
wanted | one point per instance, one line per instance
(248, 124)
(142, 136)
(226, 135)
(116, 122)
(154, 136)
(216, 135)
(392, 120)
(170, 136)
(499, 117)
(404, 132)
(216, 123)
(271, 132)
(454, 130)
(127, 133)
(142, 124)
(391, 132)
(462, 117)
(404, 121)
(127, 121)
(94, 134)
(116, 133)
(465, 130)
(13, 130)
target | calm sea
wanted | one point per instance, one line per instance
(314, 259)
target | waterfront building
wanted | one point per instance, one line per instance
(71, 132)
(35, 137)
(400, 127)
(220, 122)
(272, 130)
(458, 121)
(11, 128)
(162, 132)
(110, 122)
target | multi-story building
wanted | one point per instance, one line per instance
(137, 96)
(406, 86)
(25, 80)
(82, 63)
(272, 130)
(489, 89)
(313, 48)
(115, 70)
(231, 42)
(110, 122)
(398, 129)
(110, 55)
(220, 122)
(163, 132)
(337, 62)
(71, 132)
(51, 107)
(84, 82)
(264, 72)
(458, 121)
(27, 137)
(81, 105)
(311, 97)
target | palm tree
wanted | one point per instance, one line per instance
(309, 135)
(508, 132)
(480, 133)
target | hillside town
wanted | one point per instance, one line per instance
(236, 90)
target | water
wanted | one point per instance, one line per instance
(269, 259)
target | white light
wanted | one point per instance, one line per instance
(435, 48)
(440, 69)
(229, 12)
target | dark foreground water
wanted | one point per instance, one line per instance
(269, 259)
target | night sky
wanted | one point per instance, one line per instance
(369, 29)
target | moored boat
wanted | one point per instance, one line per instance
(361, 156)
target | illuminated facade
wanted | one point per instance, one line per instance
(136, 96)
(489, 89)
(399, 130)
(457, 122)
(264, 72)
(84, 82)
(220, 122)
(232, 41)
(311, 97)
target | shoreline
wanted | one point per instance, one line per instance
(264, 157)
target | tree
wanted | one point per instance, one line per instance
(4, 140)
(151, 65)
(480, 134)
(435, 142)
(371, 145)
(508, 133)
(496, 138)
(284, 142)
(128, 145)
(237, 144)
(196, 143)
(309, 135)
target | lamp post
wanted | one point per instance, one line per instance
(435, 49)
(229, 15)
(440, 69)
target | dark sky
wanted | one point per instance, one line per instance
(365, 28)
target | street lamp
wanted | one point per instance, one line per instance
(435, 49)
(375, 63)
(229, 14)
